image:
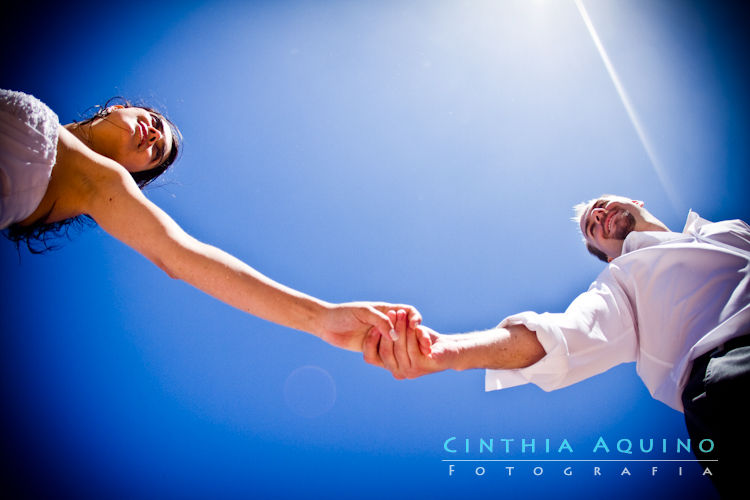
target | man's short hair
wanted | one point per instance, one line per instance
(579, 209)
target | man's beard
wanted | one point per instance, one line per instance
(622, 226)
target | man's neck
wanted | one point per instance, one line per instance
(651, 223)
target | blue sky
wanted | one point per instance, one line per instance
(425, 152)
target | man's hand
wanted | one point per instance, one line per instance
(418, 351)
(499, 348)
(347, 325)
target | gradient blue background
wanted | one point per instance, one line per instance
(425, 152)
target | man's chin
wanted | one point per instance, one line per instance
(624, 226)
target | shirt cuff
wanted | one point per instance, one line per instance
(549, 372)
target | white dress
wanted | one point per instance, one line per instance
(28, 146)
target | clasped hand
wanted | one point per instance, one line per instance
(417, 350)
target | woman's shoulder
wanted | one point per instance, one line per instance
(76, 159)
(82, 176)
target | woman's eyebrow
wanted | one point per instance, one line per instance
(160, 126)
(159, 122)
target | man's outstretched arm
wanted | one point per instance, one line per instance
(498, 348)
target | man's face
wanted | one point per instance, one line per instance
(607, 221)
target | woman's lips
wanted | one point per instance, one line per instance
(142, 129)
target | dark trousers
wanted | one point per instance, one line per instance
(716, 398)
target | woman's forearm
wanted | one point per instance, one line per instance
(230, 280)
(118, 206)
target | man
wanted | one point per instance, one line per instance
(675, 303)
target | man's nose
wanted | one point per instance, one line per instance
(598, 214)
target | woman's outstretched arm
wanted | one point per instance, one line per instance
(114, 201)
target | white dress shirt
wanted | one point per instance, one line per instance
(669, 298)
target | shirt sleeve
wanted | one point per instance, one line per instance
(595, 333)
(732, 233)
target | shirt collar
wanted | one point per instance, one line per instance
(694, 222)
(644, 239)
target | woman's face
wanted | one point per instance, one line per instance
(135, 138)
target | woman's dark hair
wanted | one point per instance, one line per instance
(37, 236)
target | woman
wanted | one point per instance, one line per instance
(51, 173)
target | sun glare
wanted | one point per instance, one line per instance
(639, 130)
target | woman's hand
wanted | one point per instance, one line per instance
(346, 325)
(418, 351)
